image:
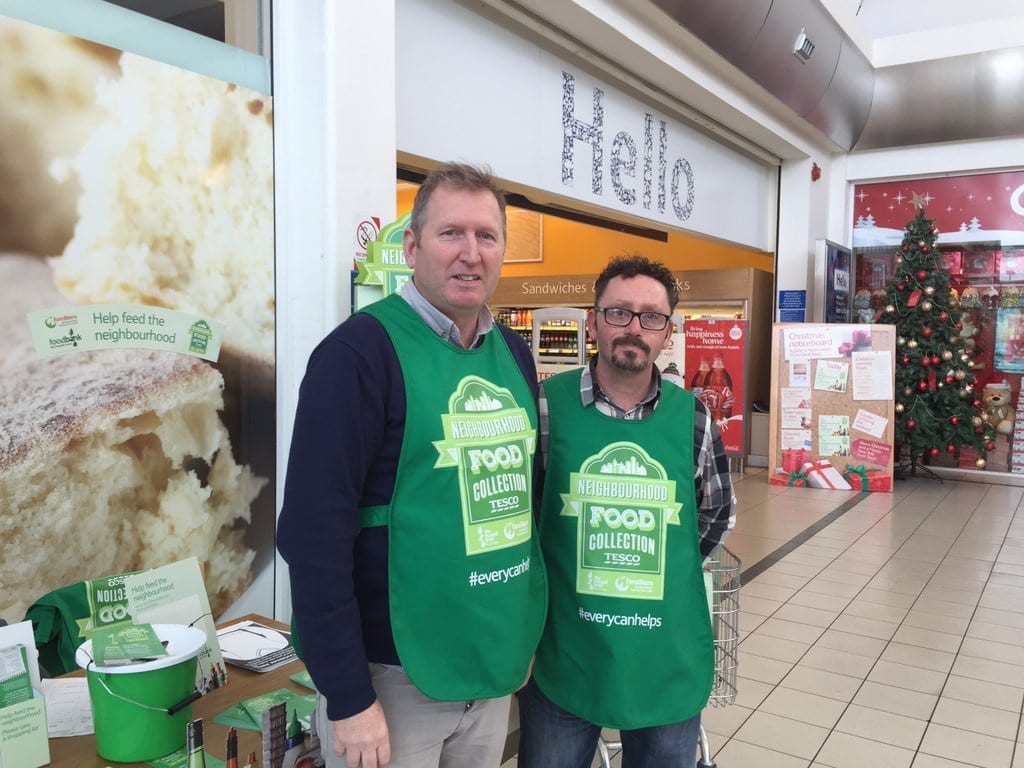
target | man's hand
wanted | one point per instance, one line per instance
(363, 738)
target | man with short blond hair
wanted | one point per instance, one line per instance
(417, 585)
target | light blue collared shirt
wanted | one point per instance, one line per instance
(439, 322)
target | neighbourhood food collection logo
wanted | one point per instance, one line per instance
(624, 503)
(491, 441)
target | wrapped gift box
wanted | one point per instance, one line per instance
(792, 479)
(967, 458)
(861, 479)
(794, 458)
(821, 474)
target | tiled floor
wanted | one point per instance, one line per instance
(891, 636)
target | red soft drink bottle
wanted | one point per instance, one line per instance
(718, 395)
(699, 379)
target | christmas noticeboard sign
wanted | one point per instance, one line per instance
(832, 406)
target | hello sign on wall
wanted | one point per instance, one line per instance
(561, 133)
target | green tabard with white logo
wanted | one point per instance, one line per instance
(628, 640)
(466, 581)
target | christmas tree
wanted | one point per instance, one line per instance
(938, 405)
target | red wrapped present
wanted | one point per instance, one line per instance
(792, 479)
(863, 479)
(968, 457)
(794, 458)
(821, 474)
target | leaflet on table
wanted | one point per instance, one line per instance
(247, 713)
(176, 594)
(23, 738)
(15, 681)
(126, 644)
(256, 646)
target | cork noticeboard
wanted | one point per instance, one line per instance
(833, 394)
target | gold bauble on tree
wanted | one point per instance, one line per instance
(980, 463)
(890, 308)
(907, 391)
(912, 343)
(899, 407)
(959, 374)
(929, 290)
(947, 355)
(926, 306)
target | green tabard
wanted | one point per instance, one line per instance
(466, 580)
(628, 640)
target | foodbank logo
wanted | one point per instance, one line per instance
(70, 339)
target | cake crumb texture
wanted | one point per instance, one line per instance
(111, 461)
(177, 202)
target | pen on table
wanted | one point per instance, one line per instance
(232, 748)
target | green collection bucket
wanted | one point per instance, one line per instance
(130, 703)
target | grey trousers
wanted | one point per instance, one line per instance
(425, 733)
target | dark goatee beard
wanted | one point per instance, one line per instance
(630, 361)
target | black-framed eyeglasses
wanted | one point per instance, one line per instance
(621, 317)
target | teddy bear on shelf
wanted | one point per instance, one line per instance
(997, 409)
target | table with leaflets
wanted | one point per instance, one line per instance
(80, 751)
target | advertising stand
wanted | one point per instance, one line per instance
(716, 351)
(832, 406)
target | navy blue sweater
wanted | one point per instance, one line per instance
(347, 438)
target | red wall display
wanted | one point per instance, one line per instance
(987, 206)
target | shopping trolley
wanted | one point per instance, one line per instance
(724, 567)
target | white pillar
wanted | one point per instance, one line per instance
(795, 258)
(334, 165)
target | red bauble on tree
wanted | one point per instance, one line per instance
(922, 274)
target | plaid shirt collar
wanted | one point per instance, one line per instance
(592, 394)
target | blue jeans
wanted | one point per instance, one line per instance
(550, 737)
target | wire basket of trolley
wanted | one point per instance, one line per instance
(722, 576)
